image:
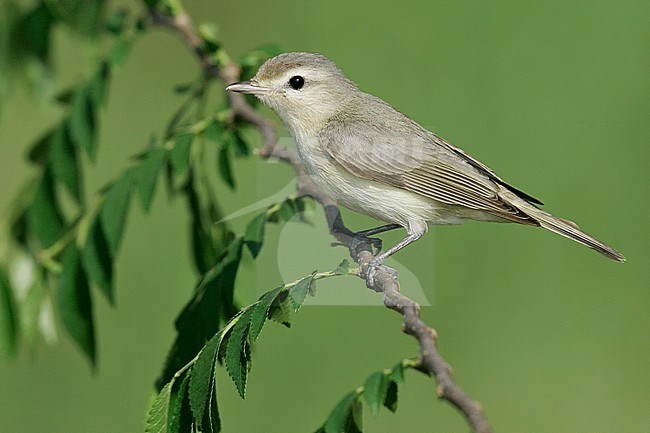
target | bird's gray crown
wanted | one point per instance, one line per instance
(279, 65)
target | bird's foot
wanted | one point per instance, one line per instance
(357, 239)
(373, 266)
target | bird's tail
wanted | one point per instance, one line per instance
(570, 230)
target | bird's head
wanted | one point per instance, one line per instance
(304, 89)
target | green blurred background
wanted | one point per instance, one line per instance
(549, 336)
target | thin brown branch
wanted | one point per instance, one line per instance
(383, 282)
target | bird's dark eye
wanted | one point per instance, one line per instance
(296, 82)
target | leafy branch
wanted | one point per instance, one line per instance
(230, 346)
(361, 252)
(71, 240)
(43, 228)
(379, 389)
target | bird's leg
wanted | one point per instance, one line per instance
(376, 242)
(415, 232)
(364, 235)
(355, 240)
(377, 230)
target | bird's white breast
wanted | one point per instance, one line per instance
(374, 199)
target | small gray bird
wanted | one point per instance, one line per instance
(371, 158)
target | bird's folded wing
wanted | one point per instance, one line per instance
(413, 160)
(485, 169)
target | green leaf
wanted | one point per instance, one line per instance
(75, 304)
(18, 228)
(216, 132)
(209, 33)
(114, 210)
(170, 412)
(180, 114)
(39, 153)
(286, 209)
(211, 419)
(179, 156)
(395, 377)
(280, 310)
(116, 23)
(343, 268)
(82, 16)
(8, 317)
(374, 391)
(119, 52)
(65, 96)
(254, 236)
(289, 208)
(44, 215)
(83, 122)
(223, 275)
(338, 420)
(180, 414)
(158, 416)
(16, 219)
(260, 311)
(153, 3)
(204, 251)
(205, 246)
(391, 396)
(238, 352)
(298, 293)
(34, 33)
(202, 379)
(211, 306)
(225, 167)
(355, 420)
(65, 165)
(183, 88)
(146, 176)
(237, 144)
(397, 373)
(30, 310)
(98, 85)
(97, 261)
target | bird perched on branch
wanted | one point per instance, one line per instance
(369, 157)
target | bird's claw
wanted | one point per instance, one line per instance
(359, 239)
(377, 243)
(372, 270)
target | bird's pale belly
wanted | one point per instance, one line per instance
(379, 201)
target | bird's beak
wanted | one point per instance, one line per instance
(249, 86)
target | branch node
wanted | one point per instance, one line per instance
(449, 367)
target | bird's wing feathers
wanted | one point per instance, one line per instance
(408, 157)
(485, 169)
